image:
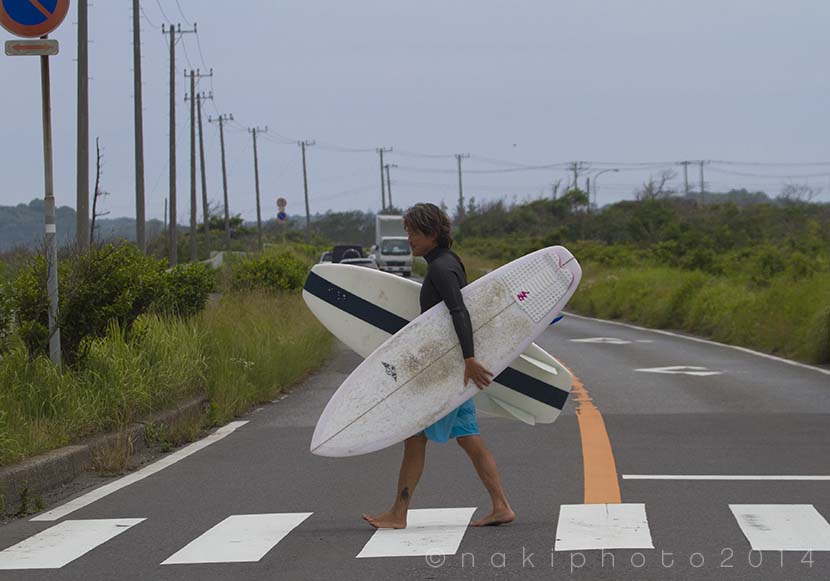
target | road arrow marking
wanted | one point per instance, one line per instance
(682, 370)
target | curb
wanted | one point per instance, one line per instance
(47, 472)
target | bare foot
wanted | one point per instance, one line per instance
(387, 520)
(495, 518)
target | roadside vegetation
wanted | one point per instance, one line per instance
(138, 339)
(755, 274)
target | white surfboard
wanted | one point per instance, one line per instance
(416, 377)
(364, 307)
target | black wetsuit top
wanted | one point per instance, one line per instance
(443, 282)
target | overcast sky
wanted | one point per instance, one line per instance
(526, 82)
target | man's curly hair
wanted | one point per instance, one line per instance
(429, 219)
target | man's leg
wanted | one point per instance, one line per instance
(414, 454)
(486, 467)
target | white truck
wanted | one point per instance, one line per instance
(391, 250)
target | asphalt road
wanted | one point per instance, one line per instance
(737, 415)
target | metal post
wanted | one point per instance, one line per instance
(173, 258)
(303, 145)
(50, 226)
(221, 120)
(139, 131)
(459, 157)
(82, 215)
(254, 131)
(205, 209)
(194, 205)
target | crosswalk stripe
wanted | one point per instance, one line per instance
(783, 527)
(239, 538)
(434, 531)
(602, 526)
(63, 543)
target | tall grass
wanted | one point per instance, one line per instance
(786, 315)
(257, 344)
(239, 352)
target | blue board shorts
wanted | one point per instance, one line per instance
(459, 422)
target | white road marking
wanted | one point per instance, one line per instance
(602, 526)
(681, 370)
(63, 543)
(158, 466)
(783, 527)
(241, 538)
(606, 340)
(433, 531)
(707, 342)
(644, 341)
(773, 477)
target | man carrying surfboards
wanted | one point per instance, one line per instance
(428, 229)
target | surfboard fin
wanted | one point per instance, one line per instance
(515, 412)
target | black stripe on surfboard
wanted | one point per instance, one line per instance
(353, 304)
(391, 323)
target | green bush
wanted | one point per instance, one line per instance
(185, 289)
(104, 284)
(271, 272)
(6, 315)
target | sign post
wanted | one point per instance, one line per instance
(32, 19)
(282, 217)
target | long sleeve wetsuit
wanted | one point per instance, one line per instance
(443, 282)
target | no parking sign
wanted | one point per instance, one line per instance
(32, 18)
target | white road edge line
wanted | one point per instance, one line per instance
(706, 341)
(724, 477)
(116, 485)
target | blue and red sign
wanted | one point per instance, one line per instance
(32, 18)
(282, 216)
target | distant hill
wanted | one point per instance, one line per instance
(22, 225)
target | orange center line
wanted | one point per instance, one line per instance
(602, 485)
(40, 7)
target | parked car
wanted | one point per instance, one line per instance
(326, 256)
(365, 262)
(342, 251)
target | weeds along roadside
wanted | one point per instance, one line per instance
(239, 350)
(768, 302)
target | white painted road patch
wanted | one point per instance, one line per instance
(429, 532)
(606, 340)
(783, 527)
(63, 543)
(682, 370)
(602, 526)
(241, 538)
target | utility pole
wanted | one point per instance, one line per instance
(194, 251)
(381, 151)
(82, 200)
(253, 131)
(685, 165)
(196, 119)
(458, 158)
(205, 208)
(577, 167)
(165, 214)
(221, 120)
(303, 145)
(389, 182)
(138, 116)
(588, 188)
(173, 258)
(702, 184)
